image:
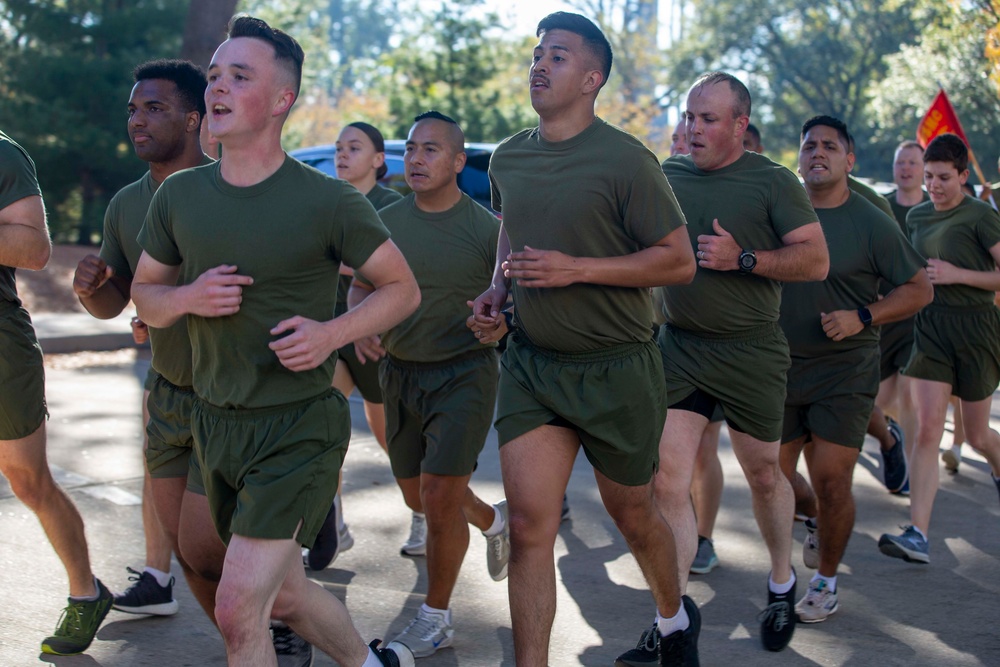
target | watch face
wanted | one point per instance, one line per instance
(747, 261)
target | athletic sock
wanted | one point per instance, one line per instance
(831, 582)
(88, 598)
(497, 524)
(780, 589)
(372, 659)
(440, 612)
(340, 512)
(162, 578)
(668, 626)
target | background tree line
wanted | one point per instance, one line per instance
(66, 72)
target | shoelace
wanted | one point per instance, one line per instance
(776, 614)
(71, 621)
(423, 627)
(649, 639)
(137, 575)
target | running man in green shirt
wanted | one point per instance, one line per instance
(248, 250)
(832, 331)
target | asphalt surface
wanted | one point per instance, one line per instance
(891, 612)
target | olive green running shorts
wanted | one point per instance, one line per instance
(168, 431)
(896, 345)
(832, 396)
(22, 375)
(437, 415)
(959, 346)
(745, 373)
(266, 470)
(613, 397)
(365, 375)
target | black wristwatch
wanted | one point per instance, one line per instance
(508, 317)
(747, 261)
(865, 316)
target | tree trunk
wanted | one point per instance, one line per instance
(205, 29)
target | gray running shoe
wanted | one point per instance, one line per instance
(498, 547)
(292, 650)
(810, 545)
(705, 560)
(911, 546)
(818, 603)
(425, 635)
(416, 544)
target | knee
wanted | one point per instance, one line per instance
(671, 488)
(234, 613)
(285, 606)
(765, 477)
(31, 487)
(833, 491)
(528, 532)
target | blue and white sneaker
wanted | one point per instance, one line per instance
(911, 546)
(894, 469)
(425, 634)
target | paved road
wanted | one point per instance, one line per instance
(891, 613)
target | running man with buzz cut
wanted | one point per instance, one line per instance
(166, 109)
(754, 229)
(438, 382)
(832, 331)
(248, 250)
(24, 244)
(589, 225)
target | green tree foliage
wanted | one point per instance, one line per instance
(457, 64)
(949, 53)
(801, 58)
(64, 83)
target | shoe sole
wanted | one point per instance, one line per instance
(890, 548)
(162, 609)
(819, 619)
(419, 551)
(445, 643)
(950, 461)
(705, 569)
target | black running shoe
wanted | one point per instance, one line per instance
(386, 656)
(146, 596)
(327, 545)
(777, 620)
(894, 468)
(646, 652)
(680, 649)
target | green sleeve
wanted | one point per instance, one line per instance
(156, 236)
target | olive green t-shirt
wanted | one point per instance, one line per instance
(865, 248)
(289, 233)
(598, 194)
(962, 236)
(380, 197)
(870, 194)
(17, 181)
(452, 256)
(899, 211)
(758, 202)
(120, 249)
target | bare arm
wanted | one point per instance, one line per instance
(900, 303)
(670, 261)
(103, 293)
(946, 273)
(24, 236)
(486, 308)
(802, 258)
(161, 302)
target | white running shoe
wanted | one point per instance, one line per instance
(498, 547)
(425, 634)
(416, 544)
(810, 545)
(818, 603)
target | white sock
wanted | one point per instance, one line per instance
(497, 524)
(340, 512)
(88, 598)
(372, 659)
(831, 582)
(162, 578)
(440, 612)
(668, 626)
(781, 589)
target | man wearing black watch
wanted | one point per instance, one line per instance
(833, 338)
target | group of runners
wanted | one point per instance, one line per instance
(642, 304)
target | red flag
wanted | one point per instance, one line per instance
(939, 119)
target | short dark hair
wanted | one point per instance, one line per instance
(592, 36)
(456, 134)
(377, 140)
(188, 77)
(948, 147)
(742, 105)
(753, 132)
(829, 121)
(287, 51)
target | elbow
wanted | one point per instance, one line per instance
(926, 294)
(687, 272)
(414, 298)
(38, 259)
(820, 268)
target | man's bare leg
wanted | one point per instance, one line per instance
(931, 399)
(159, 542)
(24, 463)
(707, 485)
(536, 469)
(682, 432)
(831, 469)
(773, 500)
